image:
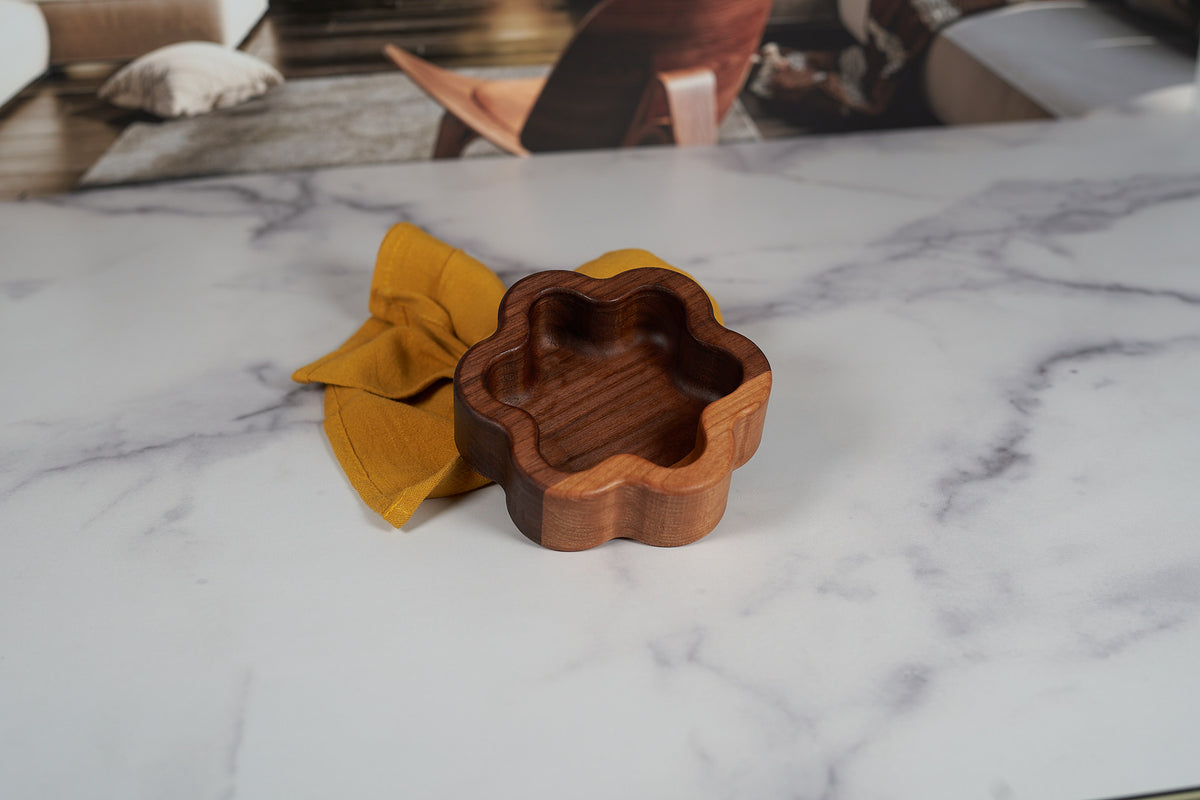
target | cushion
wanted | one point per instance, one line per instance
(189, 78)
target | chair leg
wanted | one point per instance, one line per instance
(452, 137)
(691, 105)
(682, 104)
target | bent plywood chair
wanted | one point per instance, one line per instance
(635, 71)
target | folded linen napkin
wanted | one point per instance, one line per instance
(389, 392)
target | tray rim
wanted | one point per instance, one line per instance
(690, 494)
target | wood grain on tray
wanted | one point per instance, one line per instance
(609, 408)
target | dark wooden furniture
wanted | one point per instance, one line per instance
(635, 71)
(614, 407)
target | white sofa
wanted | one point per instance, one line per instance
(24, 46)
(109, 30)
(1062, 58)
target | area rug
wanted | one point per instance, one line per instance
(314, 122)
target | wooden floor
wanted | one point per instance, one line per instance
(56, 128)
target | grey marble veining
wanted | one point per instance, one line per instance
(964, 563)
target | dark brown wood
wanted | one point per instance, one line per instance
(596, 93)
(610, 408)
(452, 137)
(596, 86)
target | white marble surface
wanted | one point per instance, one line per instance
(965, 562)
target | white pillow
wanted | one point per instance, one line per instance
(189, 78)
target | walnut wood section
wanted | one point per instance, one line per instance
(696, 53)
(611, 408)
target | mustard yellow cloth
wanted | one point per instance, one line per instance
(389, 401)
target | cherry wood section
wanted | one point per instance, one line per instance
(632, 65)
(611, 408)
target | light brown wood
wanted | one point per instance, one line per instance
(679, 107)
(456, 93)
(509, 99)
(691, 101)
(694, 56)
(611, 408)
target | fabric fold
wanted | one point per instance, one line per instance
(389, 396)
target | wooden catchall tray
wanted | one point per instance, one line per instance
(614, 407)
